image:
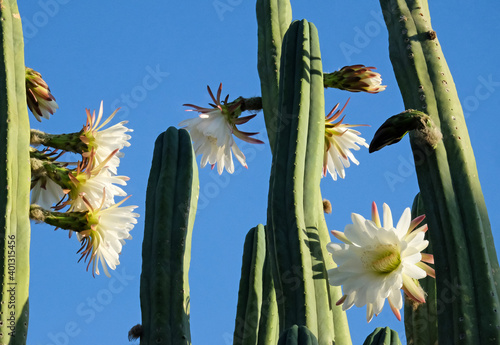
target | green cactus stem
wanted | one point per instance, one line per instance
(383, 336)
(257, 314)
(421, 318)
(465, 259)
(14, 179)
(298, 234)
(273, 19)
(297, 335)
(171, 200)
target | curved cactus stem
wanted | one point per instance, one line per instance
(298, 235)
(15, 178)
(273, 20)
(171, 200)
(421, 327)
(465, 259)
(256, 315)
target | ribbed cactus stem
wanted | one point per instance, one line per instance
(257, 314)
(297, 335)
(298, 235)
(171, 200)
(383, 336)
(273, 19)
(465, 258)
(421, 327)
(14, 179)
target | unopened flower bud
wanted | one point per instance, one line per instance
(355, 78)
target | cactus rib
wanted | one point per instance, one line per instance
(421, 326)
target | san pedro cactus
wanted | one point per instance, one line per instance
(273, 19)
(297, 335)
(14, 179)
(421, 326)
(257, 314)
(465, 257)
(297, 231)
(171, 200)
(383, 336)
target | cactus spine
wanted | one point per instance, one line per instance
(257, 314)
(295, 220)
(14, 179)
(383, 336)
(466, 262)
(171, 200)
(421, 326)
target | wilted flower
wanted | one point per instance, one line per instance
(375, 261)
(40, 100)
(355, 78)
(212, 132)
(339, 140)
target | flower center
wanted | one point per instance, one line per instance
(382, 258)
(213, 140)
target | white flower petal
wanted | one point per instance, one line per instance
(387, 217)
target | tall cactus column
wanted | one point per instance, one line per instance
(256, 315)
(273, 20)
(294, 213)
(466, 262)
(171, 201)
(15, 177)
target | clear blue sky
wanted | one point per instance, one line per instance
(150, 58)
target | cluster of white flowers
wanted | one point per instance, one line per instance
(90, 187)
